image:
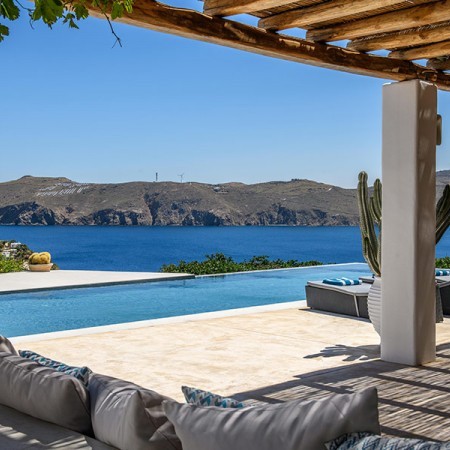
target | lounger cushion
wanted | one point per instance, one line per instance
(129, 417)
(292, 425)
(44, 393)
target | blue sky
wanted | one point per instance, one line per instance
(73, 106)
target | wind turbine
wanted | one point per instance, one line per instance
(181, 177)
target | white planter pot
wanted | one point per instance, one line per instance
(374, 304)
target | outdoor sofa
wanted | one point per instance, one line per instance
(43, 408)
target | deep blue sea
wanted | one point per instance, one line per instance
(147, 248)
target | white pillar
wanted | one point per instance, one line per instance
(408, 328)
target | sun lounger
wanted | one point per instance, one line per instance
(347, 300)
(444, 290)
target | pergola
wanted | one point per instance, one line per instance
(379, 38)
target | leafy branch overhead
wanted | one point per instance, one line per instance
(69, 12)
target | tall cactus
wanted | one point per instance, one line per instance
(443, 213)
(370, 217)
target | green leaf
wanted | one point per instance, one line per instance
(4, 31)
(9, 10)
(117, 10)
(49, 11)
(80, 11)
(128, 5)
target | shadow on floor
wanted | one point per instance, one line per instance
(360, 353)
(413, 401)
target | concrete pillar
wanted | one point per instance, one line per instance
(408, 325)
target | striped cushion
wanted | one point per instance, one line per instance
(81, 373)
(442, 273)
(205, 398)
(341, 281)
(368, 441)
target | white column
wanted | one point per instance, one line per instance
(408, 328)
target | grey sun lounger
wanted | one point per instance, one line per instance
(347, 300)
(444, 290)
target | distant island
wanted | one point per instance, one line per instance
(60, 201)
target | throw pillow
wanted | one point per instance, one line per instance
(129, 417)
(205, 398)
(44, 393)
(364, 441)
(293, 425)
(81, 373)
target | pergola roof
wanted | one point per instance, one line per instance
(340, 34)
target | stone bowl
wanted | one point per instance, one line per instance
(40, 267)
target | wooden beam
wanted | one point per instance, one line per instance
(439, 64)
(414, 37)
(404, 19)
(194, 25)
(336, 11)
(424, 52)
(231, 7)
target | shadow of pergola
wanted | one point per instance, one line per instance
(413, 401)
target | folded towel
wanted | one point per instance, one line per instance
(341, 281)
(442, 273)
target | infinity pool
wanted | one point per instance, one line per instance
(57, 310)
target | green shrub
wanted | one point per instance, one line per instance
(8, 265)
(443, 263)
(219, 263)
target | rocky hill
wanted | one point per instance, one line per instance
(60, 201)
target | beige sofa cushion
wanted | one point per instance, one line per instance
(294, 425)
(129, 417)
(44, 393)
(19, 431)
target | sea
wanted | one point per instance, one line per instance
(148, 248)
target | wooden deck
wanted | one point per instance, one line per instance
(413, 401)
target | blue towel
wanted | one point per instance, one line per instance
(442, 273)
(341, 281)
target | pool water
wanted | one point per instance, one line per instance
(57, 310)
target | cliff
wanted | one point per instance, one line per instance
(60, 201)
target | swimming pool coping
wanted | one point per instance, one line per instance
(243, 272)
(156, 322)
(67, 279)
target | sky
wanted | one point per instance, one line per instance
(73, 105)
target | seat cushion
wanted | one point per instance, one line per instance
(19, 431)
(129, 417)
(44, 393)
(293, 425)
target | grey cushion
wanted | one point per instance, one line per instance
(44, 393)
(294, 425)
(7, 346)
(129, 417)
(18, 431)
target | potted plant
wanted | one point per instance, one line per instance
(40, 262)
(370, 215)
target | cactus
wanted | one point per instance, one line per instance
(443, 213)
(40, 258)
(370, 215)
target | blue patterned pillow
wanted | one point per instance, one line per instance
(368, 441)
(205, 398)
(81, 373)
